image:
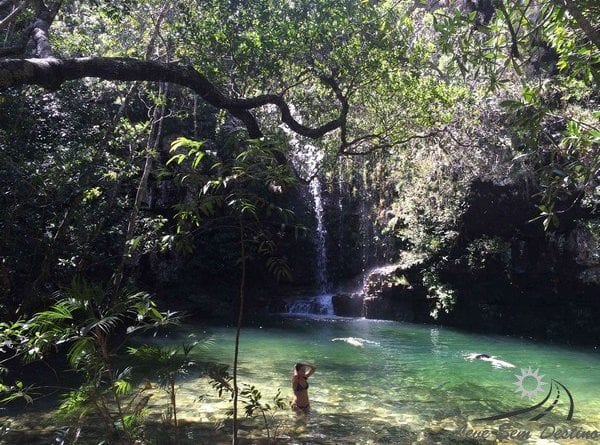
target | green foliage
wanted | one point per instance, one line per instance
(55, 196)
(443, 295)
(9, 393)
(546, 120)
(220, 379)
(85, 320)
(568, 159)
(480, 251)
(251, 397)
(438, 95)
(252, 401)
(194, 153)
(243, 186)
(166, 364)
(76, 404)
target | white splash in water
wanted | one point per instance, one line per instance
(319, 305)
(356, 341)
(495, 361)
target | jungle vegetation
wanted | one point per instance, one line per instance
(137, 138)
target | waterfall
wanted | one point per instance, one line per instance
(340, 183)
(320, 237)
(319, 305)
(340, 203)
(307, 159)
(365, 243)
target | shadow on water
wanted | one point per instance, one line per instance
(402, 384)
(314, 428)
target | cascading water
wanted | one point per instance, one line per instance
(307, 159)
(319, 305)
(365, 245)
(322, 303)
(340, 203)
(320, 237)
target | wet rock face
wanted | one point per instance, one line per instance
(537, 284)
(500, 211)
(585, 248)
(395, 292)
(348, 305)
(508, 275)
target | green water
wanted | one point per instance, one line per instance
(412, 384)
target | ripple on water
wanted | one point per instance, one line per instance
(412, 386)
(412, 381)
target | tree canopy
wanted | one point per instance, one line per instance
(164, 145)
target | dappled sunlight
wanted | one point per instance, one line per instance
(412, 383)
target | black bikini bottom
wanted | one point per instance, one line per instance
(301, 409)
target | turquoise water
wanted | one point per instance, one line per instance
(408, 383)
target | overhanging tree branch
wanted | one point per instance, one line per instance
(51, 73)
(351, 148)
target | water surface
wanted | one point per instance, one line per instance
(406, 383)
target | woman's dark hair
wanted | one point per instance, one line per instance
(299, 366)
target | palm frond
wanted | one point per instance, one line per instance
(79, 350)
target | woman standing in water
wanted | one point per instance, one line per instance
(300, 403)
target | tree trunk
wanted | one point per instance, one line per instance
(238, 330)
(151, 146)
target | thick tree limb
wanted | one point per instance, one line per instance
(40, 37)
(41, 28)
(51, 73)
(331, 82)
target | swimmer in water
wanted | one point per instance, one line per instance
(356, 341)
(495, 361)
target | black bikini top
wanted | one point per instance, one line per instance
(299, 387)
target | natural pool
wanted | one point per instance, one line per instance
(408, 383)
(394, 383)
